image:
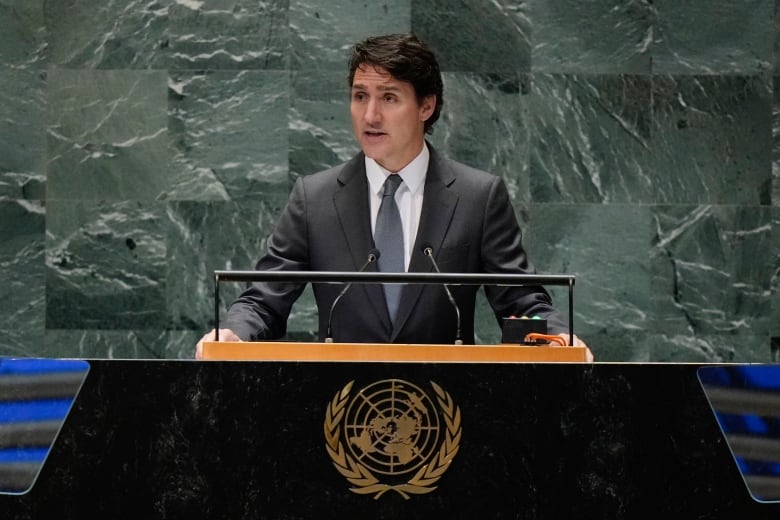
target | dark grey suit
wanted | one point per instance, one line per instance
(466, 218)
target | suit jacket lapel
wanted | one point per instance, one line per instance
(351, 203)
(439, 203)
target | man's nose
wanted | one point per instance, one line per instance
(372, 114)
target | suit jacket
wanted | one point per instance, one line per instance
(468, 220)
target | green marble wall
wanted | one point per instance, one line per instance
(145, 144)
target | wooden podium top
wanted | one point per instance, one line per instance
(288, 351)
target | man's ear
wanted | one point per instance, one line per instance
(427, 107)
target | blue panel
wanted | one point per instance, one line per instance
(43, 415)
(16, 455)
(756, 389)
(38, 366)
(37, 410)
(757, 467)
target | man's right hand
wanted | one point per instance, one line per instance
(224, 335)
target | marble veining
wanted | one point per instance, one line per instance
(710, 269)
(591, 139)
(108, 129)
(228, 134)
(23, 143)
(321, 29)
(105, 265)
(107, 35)
(23, 286)
(713, 37)
(468, 34)
(593, 37)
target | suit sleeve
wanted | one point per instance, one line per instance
(262, 310)
(503, 252)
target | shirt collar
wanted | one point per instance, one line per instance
(413, 174)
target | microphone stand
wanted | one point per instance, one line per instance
(373, 256)
(428, 251)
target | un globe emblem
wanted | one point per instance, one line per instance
(392, 427)
(392, 435)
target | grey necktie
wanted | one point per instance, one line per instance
(389, 239)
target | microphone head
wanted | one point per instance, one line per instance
(373, 254)
(427, 250)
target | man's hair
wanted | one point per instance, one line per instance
(406, 58)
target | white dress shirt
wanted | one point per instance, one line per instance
(409, 196)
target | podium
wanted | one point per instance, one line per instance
(344, 352)
(294, 439)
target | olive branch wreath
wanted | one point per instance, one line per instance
(364, 481)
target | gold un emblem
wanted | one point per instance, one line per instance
(392, 436)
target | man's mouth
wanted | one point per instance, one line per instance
(374, 133)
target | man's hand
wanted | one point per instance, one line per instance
(579, 343)
(224, 335)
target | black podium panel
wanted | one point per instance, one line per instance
(234, 440)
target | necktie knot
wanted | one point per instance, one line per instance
(391, 184)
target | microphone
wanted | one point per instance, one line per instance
(373, 256)
(428, 251)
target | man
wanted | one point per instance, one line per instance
(398, 196)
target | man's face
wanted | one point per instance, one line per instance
(387, 120)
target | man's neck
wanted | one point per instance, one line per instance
(395, 168)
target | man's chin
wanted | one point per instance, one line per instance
(372, 151)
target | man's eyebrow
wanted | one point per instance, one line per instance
(358, 86)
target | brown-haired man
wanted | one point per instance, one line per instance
(335, 217)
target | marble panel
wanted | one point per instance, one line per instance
(22, 268)
(775, 180)
(776, 39)
(107, 34)
(487, 329)
(476, 36)
(19, 342)
(23, 38)
(303, 324)
(613, 345)
(590, 138)
(711, 274)
(107, 135)
(228, 34)
(571, 36)
(706, 37)
(710, 348)
(22, 134)
(228, 132)
(118, 344)
(180, 344)
(484, 123)
(204, 237)
(322, 32)
(712, 139)
(775, 319)
(319, 125)
(106, 265)
(605, 247)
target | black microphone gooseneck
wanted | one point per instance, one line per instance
(428, 251)
(373, 256)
